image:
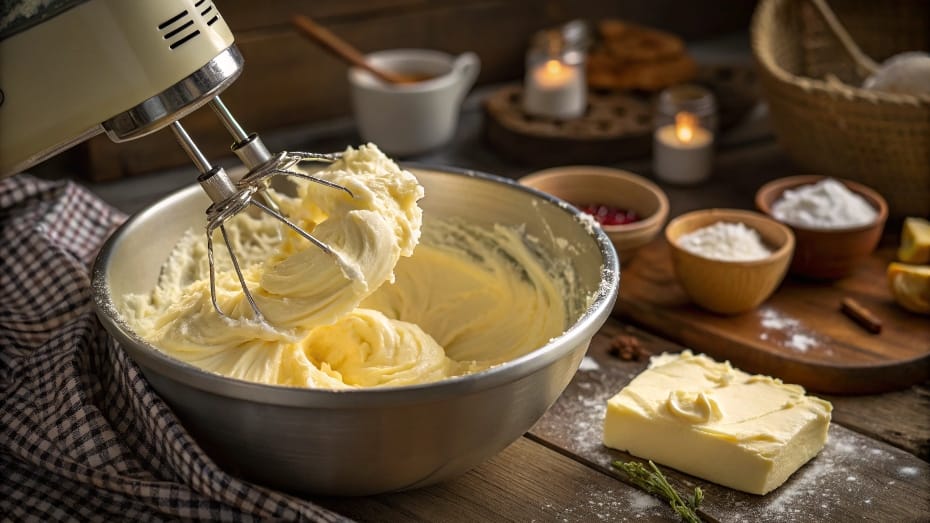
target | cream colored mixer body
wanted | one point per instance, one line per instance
(71, 69)
(124, 67)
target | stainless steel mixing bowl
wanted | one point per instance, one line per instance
(376, 440)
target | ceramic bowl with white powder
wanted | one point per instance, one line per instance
(729, 261)
(727, 241)
(837, 223)
(826, 204)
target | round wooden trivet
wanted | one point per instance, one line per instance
(615, 126)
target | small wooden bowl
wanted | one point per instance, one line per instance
(583, 184)
(730, 287)
(827, 253)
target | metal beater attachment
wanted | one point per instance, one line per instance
(233, 197)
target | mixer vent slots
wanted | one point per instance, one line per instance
(209, 12)
(179, 29)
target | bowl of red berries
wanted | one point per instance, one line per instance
(631, 209)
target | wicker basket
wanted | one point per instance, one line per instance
(826, 125)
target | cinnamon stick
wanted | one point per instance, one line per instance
(861, 315)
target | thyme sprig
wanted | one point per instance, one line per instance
(654, 482)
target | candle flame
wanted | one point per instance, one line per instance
(685, 124)
(553, 67)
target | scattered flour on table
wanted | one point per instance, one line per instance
(802, 342)
(586, 403)
(611, 505)
(642, 501)
(786, 331)
(589, 427)
(811, 485)
(773, 320)
(725, 241)
(830, 483)
(827, 204)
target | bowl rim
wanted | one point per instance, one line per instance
(654, 219)
(148, 357)
(772, 190)
(784, 251)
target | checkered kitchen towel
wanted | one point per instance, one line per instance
(82, 435)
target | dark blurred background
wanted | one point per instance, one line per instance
(289, 81)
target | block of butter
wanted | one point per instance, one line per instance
(705, 418)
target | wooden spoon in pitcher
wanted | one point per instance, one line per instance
(345, 51)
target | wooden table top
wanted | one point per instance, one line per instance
(875, 465)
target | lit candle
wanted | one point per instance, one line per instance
(554, 75)
(683, 151)
(555, 89)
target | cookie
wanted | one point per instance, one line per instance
(627, 42)
(645, 76)
(630, 56)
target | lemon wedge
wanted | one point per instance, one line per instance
(915, 241)
(910, 285)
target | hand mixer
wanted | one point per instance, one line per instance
(71, 69)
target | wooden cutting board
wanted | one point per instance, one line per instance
(799, 334)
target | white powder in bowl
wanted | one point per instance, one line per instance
(725, 241)
(827, 204)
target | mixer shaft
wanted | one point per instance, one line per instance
(231, 197)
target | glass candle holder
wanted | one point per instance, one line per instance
(555, 85)
(683, 139)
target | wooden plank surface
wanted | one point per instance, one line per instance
(798, 334)
(900, 418)
(855, 477)
(525, 482)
